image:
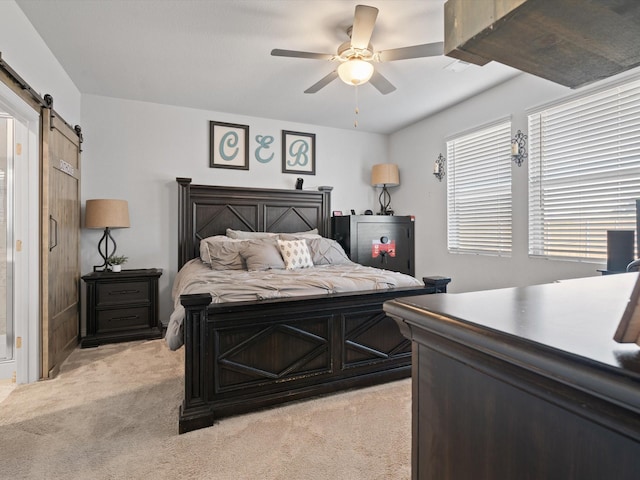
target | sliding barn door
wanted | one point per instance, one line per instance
(60, 224)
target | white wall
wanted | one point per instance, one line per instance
(25, 51)
(135, 150)
(415, 149)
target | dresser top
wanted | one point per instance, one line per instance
(578, 316)
(563, 330)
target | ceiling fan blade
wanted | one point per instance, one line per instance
(363, 22)
(416, 51)
(276, 52)
(323, 82)
(383, 85)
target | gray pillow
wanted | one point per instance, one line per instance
(222, 253)
(325, 251)
(262, 254)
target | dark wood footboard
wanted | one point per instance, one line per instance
(244, 356)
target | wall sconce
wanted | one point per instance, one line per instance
(107, 214)
(519, 148)
(438, 167)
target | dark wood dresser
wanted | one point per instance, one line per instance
(121, 306)
(377, 240)
(524, 382)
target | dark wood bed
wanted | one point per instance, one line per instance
(243, 356)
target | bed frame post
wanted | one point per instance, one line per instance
(195, 412)
(326, 210)
(185, 245)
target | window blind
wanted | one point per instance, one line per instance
(479, 191)
(584, 173)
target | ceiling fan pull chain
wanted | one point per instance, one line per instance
(355, 123)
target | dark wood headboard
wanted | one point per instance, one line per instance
(206, 210)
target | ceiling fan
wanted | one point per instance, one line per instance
(357, 55)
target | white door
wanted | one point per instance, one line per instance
(19, 259)
(7, 324)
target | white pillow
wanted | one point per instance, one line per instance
(295, 254)
(242, 235)
(298, 235)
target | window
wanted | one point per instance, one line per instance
(584, 173)
(479, 191)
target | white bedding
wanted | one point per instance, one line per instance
(242, 285)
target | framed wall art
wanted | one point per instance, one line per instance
(298, 152)
(229, 145)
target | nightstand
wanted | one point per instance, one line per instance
(121, 306)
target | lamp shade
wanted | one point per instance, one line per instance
(355, 71)
(385, 174)
(107, 213)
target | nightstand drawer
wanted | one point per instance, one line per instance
(122, 319)
(121, 293)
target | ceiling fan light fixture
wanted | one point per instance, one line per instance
(355, 71)
(356, 55)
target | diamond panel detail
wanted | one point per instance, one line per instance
(299, 351)
(374, 337)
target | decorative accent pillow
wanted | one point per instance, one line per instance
(325, 251)
(295, 254)
(261, 254)
(222, 253)
(242, 235)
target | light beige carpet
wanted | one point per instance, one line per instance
(6, 387)
(112, 413)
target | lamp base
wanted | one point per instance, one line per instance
(385, 202)
(103, 250)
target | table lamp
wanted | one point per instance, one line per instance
(385, 175)
(107, 214)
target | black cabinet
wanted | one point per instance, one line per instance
(121, 306)
(377, 241)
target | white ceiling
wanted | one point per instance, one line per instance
(215, 55)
